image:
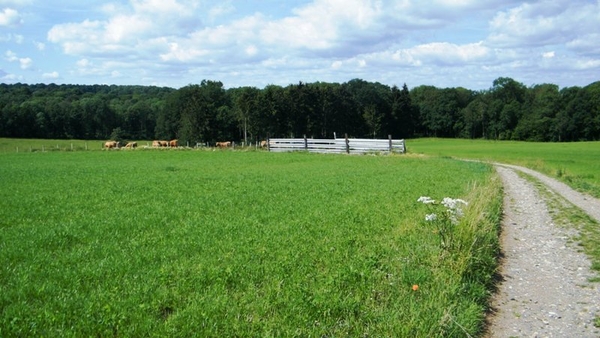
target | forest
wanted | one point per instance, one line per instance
(208, 112)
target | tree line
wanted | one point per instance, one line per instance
(207, 112)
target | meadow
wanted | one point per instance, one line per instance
(575, 163)
(242, 243)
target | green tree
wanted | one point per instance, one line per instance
(402, 122)
(245, 101)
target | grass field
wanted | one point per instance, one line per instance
(574, 163)
(233, 243)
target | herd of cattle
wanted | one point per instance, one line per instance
(166, 144)
(158, 144)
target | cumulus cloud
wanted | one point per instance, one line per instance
(25, 63)
(7, 77)
(17, 38)
(545, 22)
(435, 54)
(175, 32)
(220, 9)
(126, 29)
(10, 17)
(322, 39)
(52, 75)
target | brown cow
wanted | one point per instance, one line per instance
(263, 144)
(158, 144)
(111, 144)
(131, 145)
(173, 143)
(223, 144)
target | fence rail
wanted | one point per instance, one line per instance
(336, 145)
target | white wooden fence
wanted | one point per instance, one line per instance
(337, 145)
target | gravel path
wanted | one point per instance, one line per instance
(544, 290)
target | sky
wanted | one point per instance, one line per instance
(174, 43)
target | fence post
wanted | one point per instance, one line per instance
(347, 144)
(305, 143)
(390, 139)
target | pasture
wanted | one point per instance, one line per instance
(574, 163)
(232, 243)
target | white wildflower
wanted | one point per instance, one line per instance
(430, 217)
(426, 200)
(453, 203)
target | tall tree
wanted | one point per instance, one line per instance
(402, 122)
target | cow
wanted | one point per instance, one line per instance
(173, 143)
(223, 144)
(131, 145)
(158, 144)
(111, 144)
(155, 144)
(263, 144)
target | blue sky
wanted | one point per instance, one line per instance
(444, 43)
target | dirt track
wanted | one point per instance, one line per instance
(544, 290)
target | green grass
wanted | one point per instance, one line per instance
(223, 243)
(574, 163)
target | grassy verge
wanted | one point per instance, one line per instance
(222, 243)
(574, 163)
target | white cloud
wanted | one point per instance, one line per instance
(126, 29)
(435, 54)
(179, 54)
(83, 63)
(181, 41)
(6, 77)
(24, 63)
(10, 17)
(17, 38)
(40, 46)
(586, 44)
(11, 56)
(220, 10)
(587, 64)
(52, 75)
(450, 54)
(251, 50)
(544, 22)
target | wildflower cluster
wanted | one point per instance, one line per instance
(446, 218)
